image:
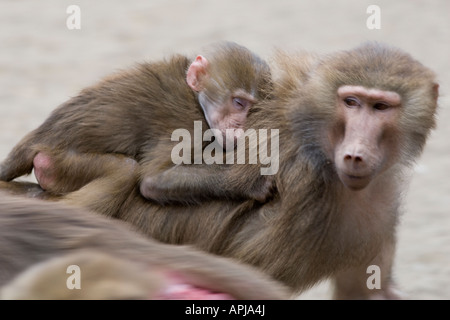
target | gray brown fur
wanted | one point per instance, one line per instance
(34, 232)
(134, 113)
(313, 228)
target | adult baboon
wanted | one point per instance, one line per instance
(350, 124)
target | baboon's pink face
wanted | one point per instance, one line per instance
(228, 115)
(363, 139)
(225, 110)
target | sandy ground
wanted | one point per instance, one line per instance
(42, 64)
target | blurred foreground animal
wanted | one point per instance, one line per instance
(41, 241)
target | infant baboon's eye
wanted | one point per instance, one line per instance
(241, 103)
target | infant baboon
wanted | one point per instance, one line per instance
(135, 112)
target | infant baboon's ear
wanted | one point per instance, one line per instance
(196, 73)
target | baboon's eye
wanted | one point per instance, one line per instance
(381, 106)
(351, 102)
(241, 103)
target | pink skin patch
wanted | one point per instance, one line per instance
(188, 292)
(177, 289)
(43, 170)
